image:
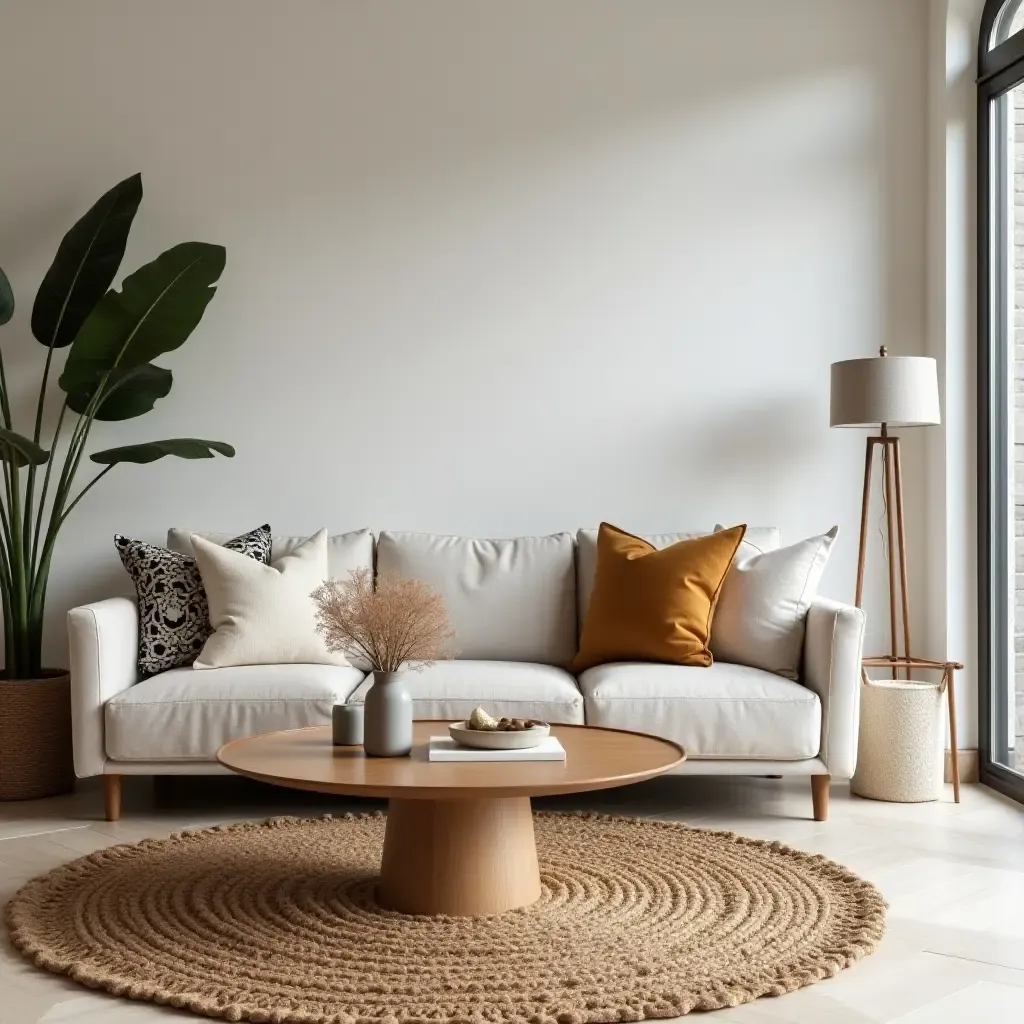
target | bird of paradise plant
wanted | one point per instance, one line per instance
(112, 337)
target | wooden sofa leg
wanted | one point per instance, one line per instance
(819, 796)
(112, 785)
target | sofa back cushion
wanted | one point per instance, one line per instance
(508, 600)
(345, 551)
(756, 540)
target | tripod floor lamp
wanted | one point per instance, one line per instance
(884, 392)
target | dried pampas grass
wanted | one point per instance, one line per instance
(397, 621)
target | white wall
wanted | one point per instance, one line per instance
(492, 268)
(951, 492)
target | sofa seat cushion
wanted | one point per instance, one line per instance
(722, 711)
(188, 715)
(450, 690)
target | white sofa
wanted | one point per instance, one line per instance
(516, 606)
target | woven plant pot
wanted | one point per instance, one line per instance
(35, 737)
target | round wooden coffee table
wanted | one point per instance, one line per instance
(459, 836)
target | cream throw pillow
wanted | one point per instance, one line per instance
(760, 616)
(265, 617)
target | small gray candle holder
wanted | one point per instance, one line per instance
(347, 725)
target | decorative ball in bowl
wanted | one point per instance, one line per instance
(487, 733)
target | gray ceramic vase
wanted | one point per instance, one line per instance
(387, 717)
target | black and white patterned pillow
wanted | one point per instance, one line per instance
(174, 616)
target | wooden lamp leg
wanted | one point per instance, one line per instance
(902, 541)
(819, 796)
(890, 522)
(951, 701)
(864, 509)
(112, 796)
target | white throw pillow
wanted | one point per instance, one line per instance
(265, 617)
(759, 620)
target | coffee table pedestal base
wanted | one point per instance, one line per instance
(463, 858)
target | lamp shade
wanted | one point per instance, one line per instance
(900, 391)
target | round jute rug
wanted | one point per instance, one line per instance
(277, 922)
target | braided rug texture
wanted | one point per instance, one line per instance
(276, 922)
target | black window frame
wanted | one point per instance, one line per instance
(1000, 69)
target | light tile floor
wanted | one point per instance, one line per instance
(953, 876)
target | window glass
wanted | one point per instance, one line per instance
(1007, 398)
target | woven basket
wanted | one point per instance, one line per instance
(901, 740)
(35, 737)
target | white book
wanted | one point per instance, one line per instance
(444, 748)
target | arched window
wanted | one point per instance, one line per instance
(1007, 20)
(1001, 394)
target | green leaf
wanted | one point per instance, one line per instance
(128, 393)
(84, 267)
(19, 449)
(150, 451)
(156, 310)
(6, 299)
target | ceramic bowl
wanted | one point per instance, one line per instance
(488, 739)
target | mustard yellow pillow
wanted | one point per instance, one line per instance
(651, 605)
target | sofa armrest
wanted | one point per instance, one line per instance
(833, 647)
(104, 649)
